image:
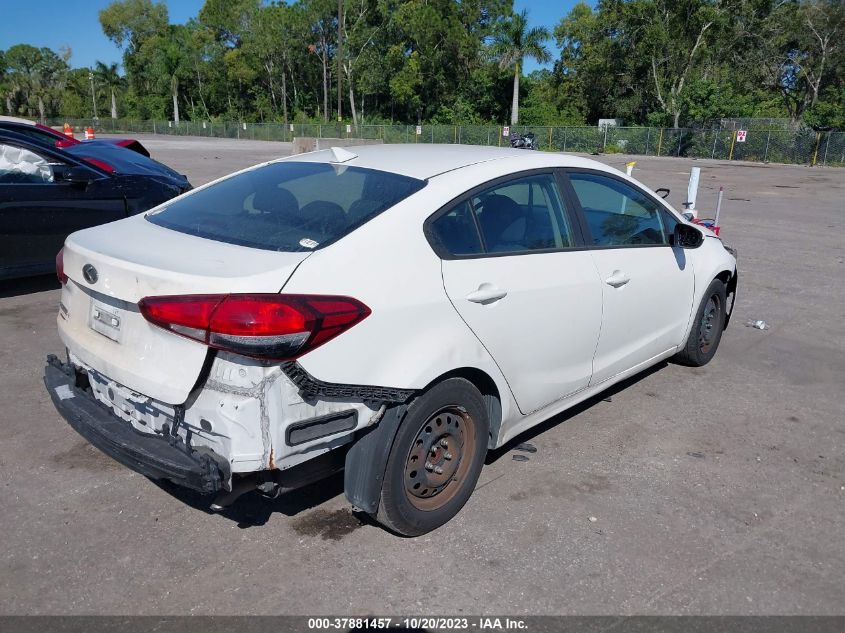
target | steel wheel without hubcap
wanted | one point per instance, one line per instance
(436, 458)
(710, 319)
(439, 458)
(707, 326)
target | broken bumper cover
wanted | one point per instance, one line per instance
(150, 455)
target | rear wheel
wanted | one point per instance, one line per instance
(706, 332)
(436, 458)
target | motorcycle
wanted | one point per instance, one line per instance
(523, 141)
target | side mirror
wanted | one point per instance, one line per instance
(687, 236)
(76, 175)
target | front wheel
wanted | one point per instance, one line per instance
(707, 328)
(435, 460)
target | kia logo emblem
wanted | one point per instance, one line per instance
(90, 273)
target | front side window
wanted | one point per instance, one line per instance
(287, 206)
(616, 213)
(21, 165)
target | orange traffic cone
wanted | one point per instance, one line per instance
(89, 133)
(68, 130)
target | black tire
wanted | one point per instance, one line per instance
(445, 428)
(707, 327)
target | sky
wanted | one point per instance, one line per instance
(74, 23)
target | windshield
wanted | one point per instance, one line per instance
(287, 206)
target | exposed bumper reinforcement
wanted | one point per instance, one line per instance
(310, 387)
(149, 455)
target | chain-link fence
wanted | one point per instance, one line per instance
(756, 123)
(801, 146)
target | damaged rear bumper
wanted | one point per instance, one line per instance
(151, 455)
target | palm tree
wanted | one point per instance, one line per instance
(108, 76)
(513, 42)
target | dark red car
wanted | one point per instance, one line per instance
(44, 134)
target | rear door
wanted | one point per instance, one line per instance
(647, 285)
(38, 209)
(514, 270)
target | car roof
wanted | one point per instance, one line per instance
(21, 137)
(14, 119)
(423, 161)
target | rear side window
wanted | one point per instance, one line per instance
(287, 206)
(456, 231)
(616, 213)
(524, 214)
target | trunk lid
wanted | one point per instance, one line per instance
(99, 320)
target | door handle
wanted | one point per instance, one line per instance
(617, 279)
(486, 293)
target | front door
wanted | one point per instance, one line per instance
(647, 285)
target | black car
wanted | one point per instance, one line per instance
(47, 193)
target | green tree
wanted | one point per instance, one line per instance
(676, 34)
(661, 62)
(36, 78)
(106, 75)
(322, 17)
(5, 86)
(129, 23)
(514, 41)
(810, 49)
(271, 45)
(76, 97)
(433, 50)
(170, 61)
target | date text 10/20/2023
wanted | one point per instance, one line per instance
(436, 623)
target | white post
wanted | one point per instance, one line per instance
(692, 190)
(718, 206)
(826, 146)
(629, 169)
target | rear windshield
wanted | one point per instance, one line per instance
(287, 206)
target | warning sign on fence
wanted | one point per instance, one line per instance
(348, 129)
(740, 136)
(506, 131)
(419, 130)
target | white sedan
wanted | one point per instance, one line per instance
(394, 311)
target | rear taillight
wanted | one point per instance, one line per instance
(60, 266)
(99, 163)
(273, 326)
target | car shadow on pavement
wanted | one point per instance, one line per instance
(253, 509)
(522, 438)
(28, 285)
